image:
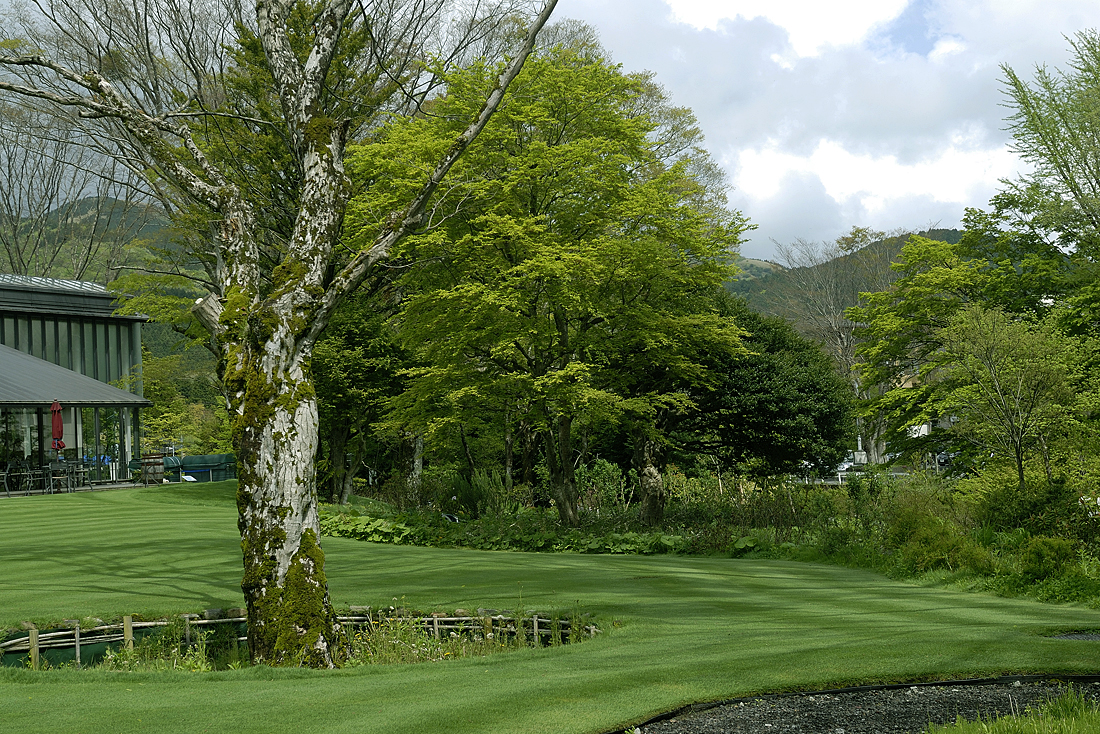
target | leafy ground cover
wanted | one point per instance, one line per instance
(678, 628)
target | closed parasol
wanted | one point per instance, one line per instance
(58, 426)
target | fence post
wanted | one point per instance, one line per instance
(76, 638)
(33, 640)
(128, 631)
(535, 629)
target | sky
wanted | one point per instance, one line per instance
(875, 113)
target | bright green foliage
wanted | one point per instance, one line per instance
(1045, 557)
(901, 329)
(178, 419)
(373, 529)
(1055, 128)
(1004, 380)
(571, 283)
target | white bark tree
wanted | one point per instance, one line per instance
(139, 71)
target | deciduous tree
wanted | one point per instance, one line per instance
(136, 74)
(1005, 380)
(777, 408)
(571, 274)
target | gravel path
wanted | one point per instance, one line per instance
(893, 711)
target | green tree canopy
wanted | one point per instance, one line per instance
(575, 261)
(779, 408)
(901, 328)
(1003, 381)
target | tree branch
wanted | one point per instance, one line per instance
(407, 221)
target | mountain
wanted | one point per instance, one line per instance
(774, 289)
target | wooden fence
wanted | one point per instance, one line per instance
(540, 628)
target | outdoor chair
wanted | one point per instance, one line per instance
(20, 477)
(57, 478)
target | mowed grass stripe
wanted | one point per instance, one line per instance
(691, 629)
(82, 554)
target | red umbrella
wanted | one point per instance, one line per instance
(58, 425)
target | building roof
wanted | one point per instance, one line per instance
(30, 382)
(51, 284)
(25, 293)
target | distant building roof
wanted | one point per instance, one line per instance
(51, 284)
(26, 293)
(29, 382)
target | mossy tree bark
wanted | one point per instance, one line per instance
(650, 482)
(263, 320)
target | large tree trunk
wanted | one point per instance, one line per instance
(335, 444)
(559, 459)
(650, 482)
(263, 324)
(290, 619)
(351, 462)
(347, 486)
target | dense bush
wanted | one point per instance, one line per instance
(1045, 557)
(531, 529)
(1043, 508)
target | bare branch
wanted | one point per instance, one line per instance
(356, 271)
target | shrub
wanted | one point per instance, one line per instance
(373, 529)
(926, 530)
(915, 504)
(1050, 508)
(865, 494)
(835, 539)
(601, 485)
(164, 649)
(1044, 557)
(933, 549)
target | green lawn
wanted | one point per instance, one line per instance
(691, 629)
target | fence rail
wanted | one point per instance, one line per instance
(75, 637)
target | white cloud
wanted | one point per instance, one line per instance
(830, 115)
(811, 26)
(944, 49)
(952, 174)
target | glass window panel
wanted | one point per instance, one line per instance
(65, 356)
(23, 335)
(9, 437)
(49, 342)
(37, 347)
(88, 348)
(100, 352)
(114, 363)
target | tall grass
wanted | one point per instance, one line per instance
(1070, 713)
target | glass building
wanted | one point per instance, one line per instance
(68, 324)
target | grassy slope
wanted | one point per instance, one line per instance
(692, 629)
